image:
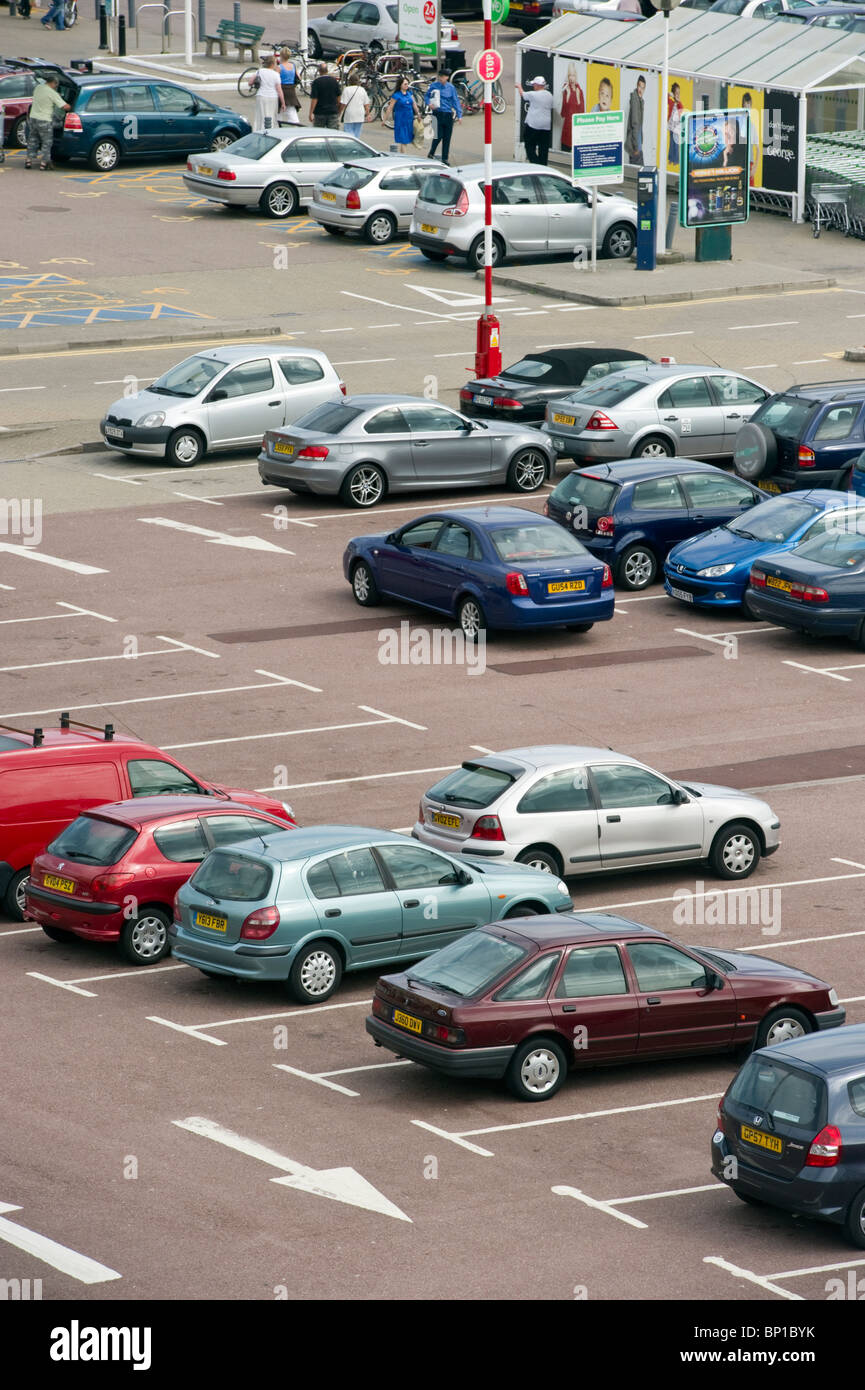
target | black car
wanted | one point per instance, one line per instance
(791, 1129)
(521, 392)
(808, 436)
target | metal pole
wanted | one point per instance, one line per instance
(304, 21)
(103, 28)
(121, 36)
(488, 168)
(187, 32)
(130, 23)
(594, 229)
(202, 22)
(237, 18)
(661, 229)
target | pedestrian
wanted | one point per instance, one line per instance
(40, 121)
(354, 109)
(54, 15)
(288, 82)
(24, 8)
(402, 110)
(539, 120)
(324, 100)
(442, 98)
(634, 133)
(269, 100)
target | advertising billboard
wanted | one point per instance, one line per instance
(419, 25)
(714, 186)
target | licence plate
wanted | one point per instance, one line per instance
(566, 586)
(204, 919)
(113, 432)
(328, 197)
(773, 583)
(425, 227)
(763, 1141)
(63, 885)
(682, 594)
(283, 448)
(414, 1025)
(439, 818)
(768, 487)
(206, 170)
(484, 400)
(564, 419)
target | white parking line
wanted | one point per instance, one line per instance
(392, 511)
(395, 718)
(764, 1282)
(816, 670)
(180, 695)
(682, 333)
(721, 637)
(138, 974)
(186, 1028)
(816, 1269)
(293, 733)
(454, 1138)
(367, 777)
(780, 323)
(191, 497)
(363, 361)
(310, 1076)
(590, 1115)
(115, 478)
(714, 892)
(673, 1192)
(195, 1030)
(72, 608)
(598, 1206)
(61, 984)
(851, 863)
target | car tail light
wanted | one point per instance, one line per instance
(460, 207)
(189, 165)
(488, 828)
(105, 881)
(420, 813)
(806, 457)
(604, 526)
(825, 1151)
(515, 583)
(809, 593)
(439, 1032)
(531, 7)
(259, 924)
(227, 175)
(352, 199)
(72, 122)
(758, 578)
(313, 451)
(343, 388)
(466, 395)
(607, 581)
(380, 1008)
(546, 509)
(507, 403)
(178, 919)
(719, 1118)
(600, 421)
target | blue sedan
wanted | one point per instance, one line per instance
(819, 586)
(494, 567)
(712, 570)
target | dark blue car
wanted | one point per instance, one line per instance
(631, 513)
(808, 436)
(494, 567)
(791, 1129)
(819, 586)
(713, 570)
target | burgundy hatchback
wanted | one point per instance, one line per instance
(529, 999)
(112, 874)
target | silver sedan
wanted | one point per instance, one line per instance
(275, 173)
(366, 446)
(374, 197)
(651, 411)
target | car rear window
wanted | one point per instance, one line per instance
(331, 418)
(347, 177)
(780, 1090)
(786, 415)
(856, 1093)
(535, 542)
(606, 392)
(440, 189)
(253, 146)
(89, 840)
(582, 490)
(473, 784)
(842, 549)
(773, 521)
(529, 369)
(233, 877)
(470, 965)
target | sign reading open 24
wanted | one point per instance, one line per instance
(418, 26)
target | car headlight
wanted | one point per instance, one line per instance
(563, 887)
(715, 571)
(152, 421)
(833, 996)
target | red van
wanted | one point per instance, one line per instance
(48, 776)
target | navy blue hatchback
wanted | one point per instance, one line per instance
(631, 513)
(791, 1129)
(808, 436)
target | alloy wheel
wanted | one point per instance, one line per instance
(530, 469)
(638, 569)
(471, 621)
(366, 486)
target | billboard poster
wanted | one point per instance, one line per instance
(639, 99)
(602, 87)
(713, 188)
(598, 141)
(780, 141)
(534, 64)
(569, 90)
(419, 24)
(751, 99)
(680, 100)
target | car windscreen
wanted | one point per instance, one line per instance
(89, 840)
(393, 11)
(580, 490)
(535, 542)
(605, 392)
(468, 966)
(349, 177)
(440, 189)
(772, 521)
(472, 785)
(529, 369)
(232, 877)
(253, 146)
(331, 418)
(189, 378)
(780, 1091)
(786, 415)
(842, 547)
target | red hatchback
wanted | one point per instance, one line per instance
(112, 874)
(529, 999)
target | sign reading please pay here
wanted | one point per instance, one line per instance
(598, 145)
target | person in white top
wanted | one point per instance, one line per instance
(268, 98)
(354, 109)
(539, 120)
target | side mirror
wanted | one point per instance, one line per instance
(392, 539)
(717, 982)
(217, 395)
(463, 878)
(680, 798)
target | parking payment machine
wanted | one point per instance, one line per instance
(647, 216)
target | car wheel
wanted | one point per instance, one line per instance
(223, 140)
(363, 585)
(736, 851)
(525, 910)
(637, 568)
(471, 618)
(528, 470)
(783, 1025)
(855, 1223)
(541, 859)
(475, 256)
(433, 255)
(380, 228)
(537, 1070)
(18, 134)
(104, 156)
(280, 200)
(144, 939)
(747, 611)
(654, 446)
(316, 973)
(313, 43)
(619, 242)
(363, 486)
(57, 934)
(755, 451)
(579, 627)
(185, 447)
(13, 900)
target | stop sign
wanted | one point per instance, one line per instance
(429, 12)
(488, 65)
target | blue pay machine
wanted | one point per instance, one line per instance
(647, 217)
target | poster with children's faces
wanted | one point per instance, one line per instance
(639, 97)
(751, 100)
(603, 87)
(569, 91)
(680, 98)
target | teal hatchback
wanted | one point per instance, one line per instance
(313, 903)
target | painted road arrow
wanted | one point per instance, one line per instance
(339, 1184)
(28, 552)
(216, 537)
(80, 1267)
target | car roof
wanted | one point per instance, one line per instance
(638, 470)
(826, 390)
(566, 359)
(553, 754)
(501, 169)
(379, 164)
(488, 516)
(566, 928)
(835, 1052)
(321, 839)
(659, 371)
(234, 352)
(52, 739)
(142, 810)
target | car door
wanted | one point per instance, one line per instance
(715, 498)
(243, 403)
(659, 509)
(349, 894)
(181, 845)
(559, 809)
(374, 23)
(640, 821)
(404, 564)
(140, 125)
(186, 127)
(679, 1008)
(154, 776)
(593, 1004)
(310, 161)
(569, 213)
(342, 148)
(436, 908)
(303, 385)
(390, 445)
(343, 30)
(688, 409)
(446, 447)
(454, 557)
(837, 437)
(519, 214)
(738, 398)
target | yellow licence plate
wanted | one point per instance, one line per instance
(566, 586)
(425, 227)
(769, 487)
(204, 919)
(63, 885)
(564, 419)
(774, 583)
(206, 170)
(283, 448)
(414, 1025)
(328, 197)
(763, 1141)
(439, 818)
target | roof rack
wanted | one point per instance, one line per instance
(38, 734)
(849, 388)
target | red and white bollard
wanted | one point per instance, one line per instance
(488, 65)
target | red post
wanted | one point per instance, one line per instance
(488, 357)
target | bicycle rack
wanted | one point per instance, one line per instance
(167, 23)
(150, 6)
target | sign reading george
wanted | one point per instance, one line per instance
(715, 172)
(488, 65)
(598, 143)
(419, 26)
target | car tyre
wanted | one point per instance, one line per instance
(537, 1070)
(782, 1025)
(313, 43)
(528, 470)
(57, 934)
(475, 254)
(280, 200)
(637, 567)
(542, 859)
(185, 447)
(380, 228)
(433, 255)
(363, 585)
(735, 851)
(471, 618)
(13, 900)
(18, 134)
(104, 156)
(144, 939)
(522, 910)
(580, 627)
(332, 231)
(316, 973)
(747, 611)
(654, 446)
(363, 486)
(223, 140)
(755, 452)
(619, 242)
(855, 1222)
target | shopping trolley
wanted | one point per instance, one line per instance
(829, 207)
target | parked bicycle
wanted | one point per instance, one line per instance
(247, 82)
(470, 90)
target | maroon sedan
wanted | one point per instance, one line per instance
(112, 874)
(528, 999)
(16, 93)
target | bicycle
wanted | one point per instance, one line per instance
(306, 69)
(470, 91)
(70, 13)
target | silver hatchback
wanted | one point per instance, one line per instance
(652, 411)
(273, 172)
(375, 197)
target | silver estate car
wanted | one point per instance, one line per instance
(536, 212)
(653, 411)
(587, 810)
(222, 398)
(366, 446)
(375, 197)
(275, 173)
(371, 24)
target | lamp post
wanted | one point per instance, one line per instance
(665, 6)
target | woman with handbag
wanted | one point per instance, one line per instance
(268, 98)
(289, 115)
